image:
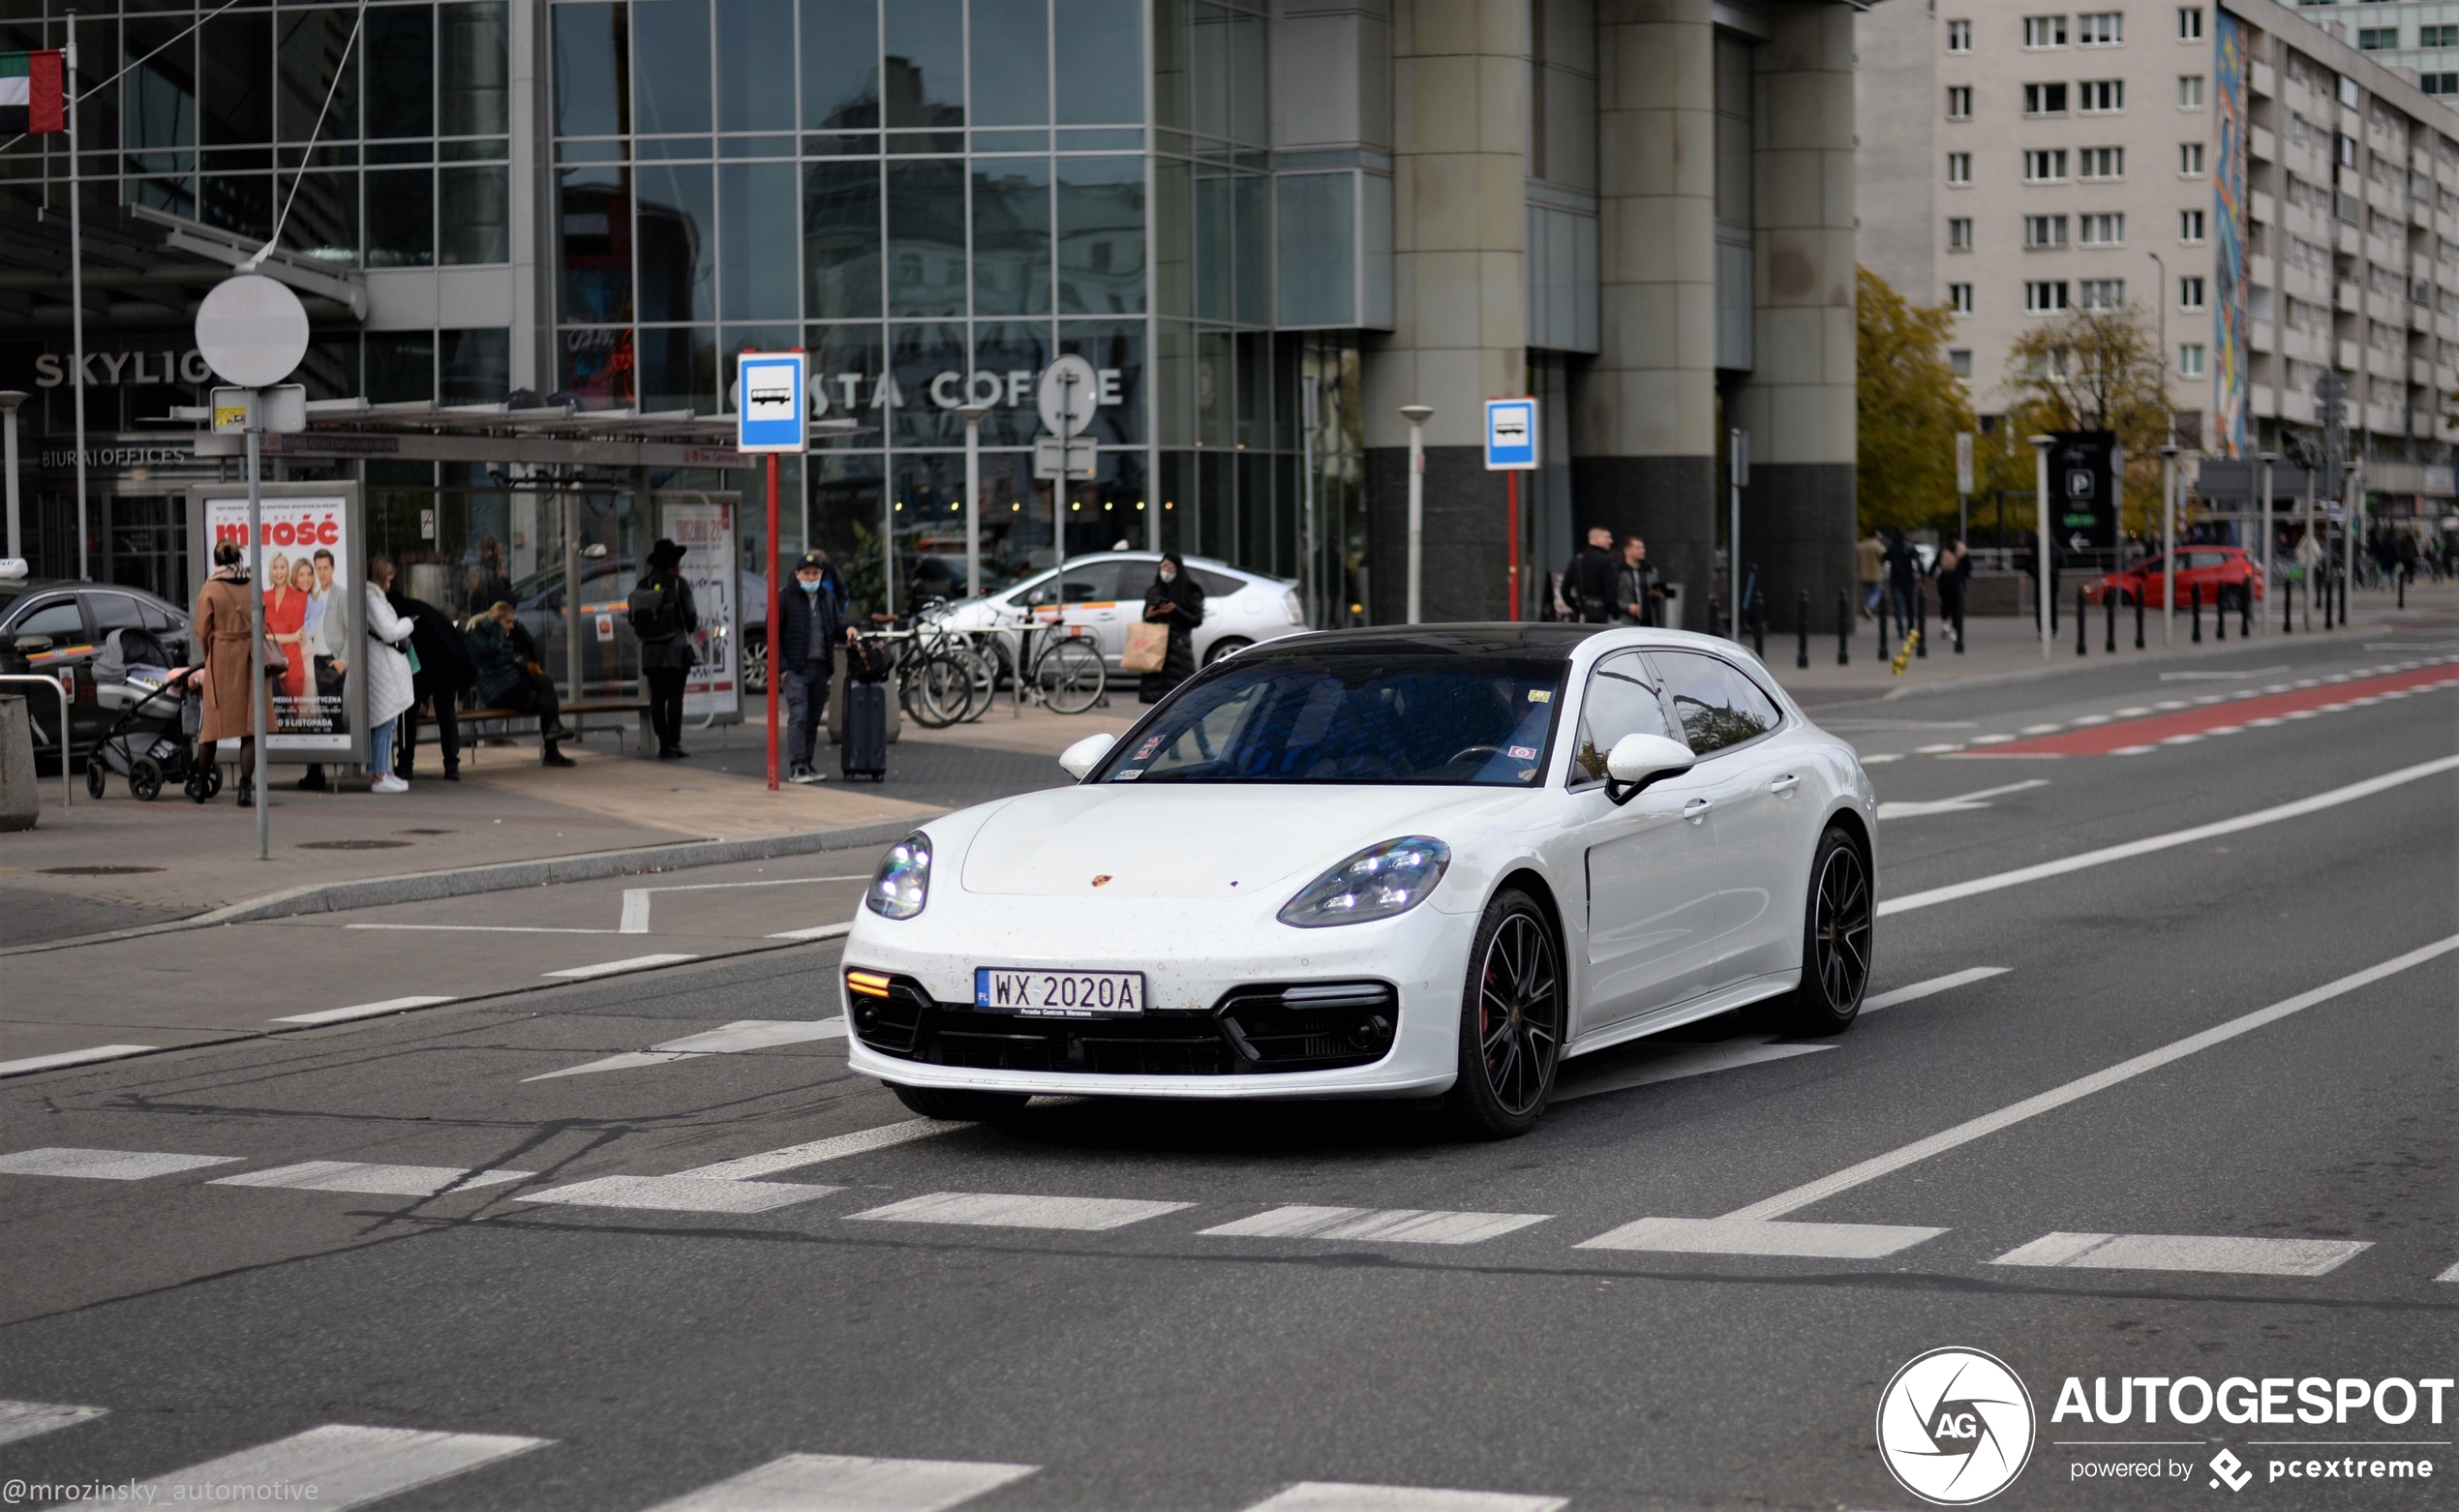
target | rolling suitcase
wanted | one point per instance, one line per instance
(865, 747)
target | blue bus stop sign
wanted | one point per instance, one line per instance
(769, 400)
(1511, 435)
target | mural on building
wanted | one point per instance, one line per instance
(2229, 250)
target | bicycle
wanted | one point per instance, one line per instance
(939, 675)
(1065, 673)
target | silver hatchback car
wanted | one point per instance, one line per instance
(1104, 593)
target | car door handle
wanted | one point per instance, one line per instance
(1784, 784)
(1696, 810)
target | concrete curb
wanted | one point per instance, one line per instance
(417, 887)
(2074, 666)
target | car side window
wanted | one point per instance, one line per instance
(1621, 699)
(59, 619)
(1091, 583)
(113, 612)
(1217, 585)
(1716, 705)
(156, 617)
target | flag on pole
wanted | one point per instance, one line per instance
(33, 97)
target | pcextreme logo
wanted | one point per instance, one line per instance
(1955, 1426)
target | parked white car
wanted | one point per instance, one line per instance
(1388, 862)
(1105, 595)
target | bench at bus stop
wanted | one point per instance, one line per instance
(576, 715)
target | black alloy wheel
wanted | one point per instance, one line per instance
(1510, 1020)
(1835, 938)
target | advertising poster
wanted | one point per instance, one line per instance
(307, 568)
(705, 529)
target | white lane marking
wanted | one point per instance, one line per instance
(767, 1163)
(635, 919)
(2178, 739)
(1697, 1060)
(1328, 1496)
(815, 932)
(1991, 739)
(2092, 719)
(1747, 1236)
(684, 1194)
(1932, 987)
(1938, 750)
(2223, 1253)
(1881, 759)
(1011, 1210)
(2172, 703)
(2451, 1274)
(98, 1052)
(2136, 712)
(2175, 837)
(481, 928)
(2127, 750)
(610, 968)
(744, 1034)
(2057, 1097)
(2215, 677)
(391, 1181)
(1954, 806)
(335, 1016)
(347, 1464)
(104, 1164)
(850, 1483)
(2042, 729)
(26, 1419)
(2226, 729)
(2211, 698)
(1388, 1226)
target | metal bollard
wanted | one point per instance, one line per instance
(2219, 612)
(1802, 619)
(1886, 609)
(2139, 620)
(2108, 608)
(1921, 622)
(2287, 608)
(1844, 629)
(2195, 597)
(2245, 610)
(2403, 587)
(2083, 625)
(2343, 600)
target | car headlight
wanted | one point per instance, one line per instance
(902, 883)
(1377, 883)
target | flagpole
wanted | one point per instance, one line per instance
(76, 287)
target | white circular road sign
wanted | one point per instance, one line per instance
(252, 330)
(1067, 395)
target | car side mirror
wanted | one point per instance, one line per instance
(31, 644)
(1086, 754)
(1637, 761)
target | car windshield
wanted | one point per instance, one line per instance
(1364, 718)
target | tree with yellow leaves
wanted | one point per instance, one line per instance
(2090, 370)
(1909, 405)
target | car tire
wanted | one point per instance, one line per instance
(1836, 917)
(956, 1106)
(1227, 646)
(1512, 1009)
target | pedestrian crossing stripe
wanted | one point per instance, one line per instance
(2222, 1254)
(347, 1464)
(1388, 1226)
(27, 1419)
(850, 1483)
(1002, 1210)
(390, 1181)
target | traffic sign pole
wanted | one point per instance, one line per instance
(1511, 449)
(258, 697)
(772, 415)
(1511, 491)
(777, 583)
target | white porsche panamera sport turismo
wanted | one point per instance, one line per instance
(1386, 862)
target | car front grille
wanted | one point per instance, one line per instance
(1275, 1027)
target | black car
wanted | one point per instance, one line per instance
(54, 627)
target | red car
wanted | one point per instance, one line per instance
(2210, 567)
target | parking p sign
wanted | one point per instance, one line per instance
(1511, 444)
(769, 402)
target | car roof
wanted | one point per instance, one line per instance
(1540, 639)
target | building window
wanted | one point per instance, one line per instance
(2438, 36)
(2103, 96)
(1959, 298)
(2104, 230)
(2043, 31)
(1960, 361)
(2044, 231)
(2190, 294)
(1960, 167)
(2190, 360)
(2377, 39)
(2190, 159)
(2099, 29)
(2102, 293)
(2190, 91)
(2438, 83)
(1959, 233)
(2101, 162)
(2045, 99)
(1960, 102)
(2190, 226)
(2190, 24)
(2045, 166)
(2044, 298)
(1959, 36)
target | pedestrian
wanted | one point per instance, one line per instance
(1870, 572)
(1903, 577)
(810, 621)
(1954, 570)
(1177, 600)
(445, 672)
(1589, 581)
(1638, 588)
(390, 692)
(219, 628)
(664, 616)
(485, 579)
(511, 677)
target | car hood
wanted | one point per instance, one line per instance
(1204, 840)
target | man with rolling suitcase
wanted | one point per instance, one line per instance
(809, 623)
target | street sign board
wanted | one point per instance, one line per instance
(1070, 391)
(284, 408)
(1964, 461)
(1511, 435)
(1054, 457)
(252, 330)
(2084, 480)
(769, 402)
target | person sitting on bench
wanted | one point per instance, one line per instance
(510, 676)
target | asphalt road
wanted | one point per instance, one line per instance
(1101, 1349)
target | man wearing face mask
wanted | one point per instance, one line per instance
(809, 625)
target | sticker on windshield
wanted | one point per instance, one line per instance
(1523, 752)
(1540, 695)
(1144, 752)
(1128, 775)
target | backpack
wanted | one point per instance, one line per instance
(654, 610)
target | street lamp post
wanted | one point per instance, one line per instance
(9, 400)
(1417, 415)
(2169, 544)
(2266, 459)
(972, 416)
(2041, 445)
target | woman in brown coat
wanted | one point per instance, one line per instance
(220, 629)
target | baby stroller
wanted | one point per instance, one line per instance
(153, 740)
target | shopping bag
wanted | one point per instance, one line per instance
(1147, 647)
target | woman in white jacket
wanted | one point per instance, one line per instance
(389, 684)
